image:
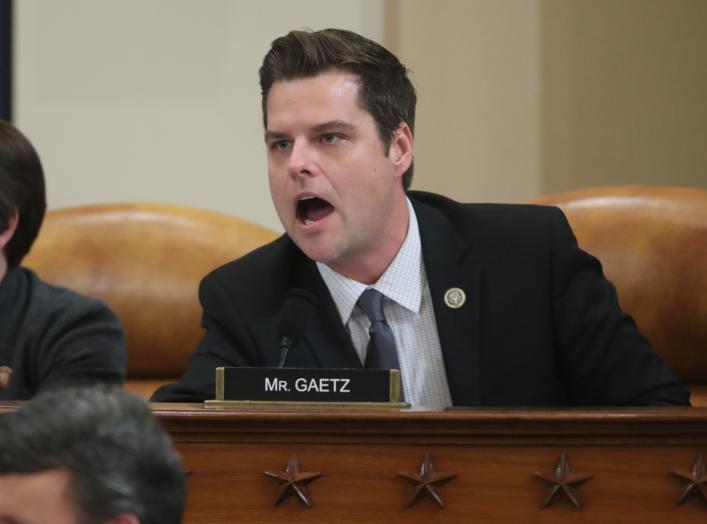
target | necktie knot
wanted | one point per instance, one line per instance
(371, 303)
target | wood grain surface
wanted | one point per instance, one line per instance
(493, 453)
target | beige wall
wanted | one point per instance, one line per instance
(624, 92)
(158, 100)
(476, 66)
(522, 97)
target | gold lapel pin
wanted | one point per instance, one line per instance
(454, 297)
(5, 376)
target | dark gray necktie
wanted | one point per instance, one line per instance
(381, 352)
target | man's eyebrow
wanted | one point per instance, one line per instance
(332, 125)
(273, 135)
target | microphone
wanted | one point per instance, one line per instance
(293, 322)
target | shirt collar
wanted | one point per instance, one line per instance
(402, 282)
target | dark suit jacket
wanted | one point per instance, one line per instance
(52, 337)
(541, 326)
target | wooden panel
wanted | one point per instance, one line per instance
(492, 484)
(493, 453)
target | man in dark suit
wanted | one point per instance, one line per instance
(489, 305)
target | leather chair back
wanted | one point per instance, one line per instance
(652, 243)
(145, 261)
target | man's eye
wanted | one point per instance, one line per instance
(279, 145)
(329, 138)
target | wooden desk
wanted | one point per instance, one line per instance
(493, 454)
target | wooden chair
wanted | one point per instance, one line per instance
(145, 261)
(652, 243)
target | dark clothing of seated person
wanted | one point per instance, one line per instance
(488, 304)
(49, 336)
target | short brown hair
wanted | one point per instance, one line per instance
(21, 191)
(385, 92)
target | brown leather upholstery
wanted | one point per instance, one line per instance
(652, 243)
(145, 261)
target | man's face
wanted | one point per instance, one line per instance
(37, 498)
(337, 192)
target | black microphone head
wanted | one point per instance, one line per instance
(296, 310)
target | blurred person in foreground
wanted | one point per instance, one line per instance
(49, 336)
(88, 455)
(485, 304)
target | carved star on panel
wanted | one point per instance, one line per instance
(427, 482)
(696, 479)
(293, 481)
(563, 482)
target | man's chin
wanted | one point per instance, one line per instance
(317, 250)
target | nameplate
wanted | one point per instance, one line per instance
(307, 385)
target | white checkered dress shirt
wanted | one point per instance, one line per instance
(407, 305)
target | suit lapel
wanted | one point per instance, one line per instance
(326, 337)
(448, 266)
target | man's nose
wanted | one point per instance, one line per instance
(301, 160)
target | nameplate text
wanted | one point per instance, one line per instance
(307, 384)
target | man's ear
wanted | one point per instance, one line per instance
(124, 518)
(6, 236)
(401, 148)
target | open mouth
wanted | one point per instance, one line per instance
(311, 209)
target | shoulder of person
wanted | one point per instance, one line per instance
(260, 278)
(259, 263)
(52, 301)
(492, 219)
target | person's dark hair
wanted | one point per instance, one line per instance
(120, 458)
(385, 92)
(21, 191)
